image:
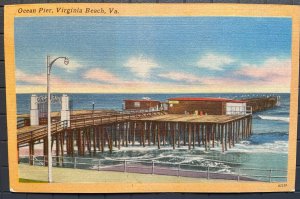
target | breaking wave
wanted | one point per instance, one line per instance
(267, 117)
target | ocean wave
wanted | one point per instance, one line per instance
(275, 142)
(214, 165)
(193, 157)
(273, 147)
(277, 118)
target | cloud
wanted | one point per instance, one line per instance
(37, 79)
(214, 61)
(101, 75)
(72, 66)
(181, 76)
(273, 70)
(38, 82)
(272, 75)
(141, 66)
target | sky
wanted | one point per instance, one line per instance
(154, 54)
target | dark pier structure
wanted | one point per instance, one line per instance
(86, 134)
(261, 104)
(179, 130)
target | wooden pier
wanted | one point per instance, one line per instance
(92, 132)
(86, 136)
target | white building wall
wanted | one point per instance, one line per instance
(34, 112)
(235, 108)
(65, 112)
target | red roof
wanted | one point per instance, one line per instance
(140, 100)
(205, 99)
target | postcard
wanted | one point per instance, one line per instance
(115, 98)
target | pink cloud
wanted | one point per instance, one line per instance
(22, 76)
(272, 71)
(38, 79)
(101, 76)
(273, 75)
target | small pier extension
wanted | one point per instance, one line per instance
(262, 103)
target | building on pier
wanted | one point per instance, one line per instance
(141, 104)
(207, 106)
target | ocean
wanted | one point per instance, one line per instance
(266, 148)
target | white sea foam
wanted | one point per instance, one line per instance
(245, 146)
(269, 147)
(277, 118)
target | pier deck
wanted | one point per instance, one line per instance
(75, 113)
(26, 129)
(208, 119)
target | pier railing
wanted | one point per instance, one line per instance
(92, 114)
(23, 122)
(163, 168)
(98, 120)
(96, 114)
(239, 110)
(39, 133)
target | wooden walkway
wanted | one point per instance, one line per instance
(77, 113)
(212, 119)
(33, 133)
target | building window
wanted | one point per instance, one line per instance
(137, 104)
